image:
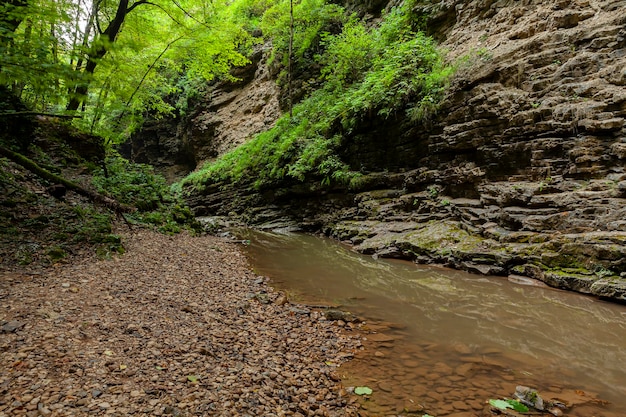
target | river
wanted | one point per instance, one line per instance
(444, 342)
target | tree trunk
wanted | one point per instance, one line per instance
(18, 87)
(290, 69)
(97, 52)
(10, 19)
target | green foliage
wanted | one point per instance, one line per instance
(91, 225)
(509, 404)
(385, 71)
(311, 19)
(137, 185)
(349, 54)
(30, 56)
(159, 42)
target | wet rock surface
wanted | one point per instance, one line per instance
(174, 327)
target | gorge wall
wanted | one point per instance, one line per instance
(222, 116)
(520, 172)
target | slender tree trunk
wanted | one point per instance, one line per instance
(18, 87)
(102, 96)
(10, 19)
(99, 50)
(86, 36)
(130, 99)
(290, 69)
(76, 31)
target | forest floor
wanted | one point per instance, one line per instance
(178, 325)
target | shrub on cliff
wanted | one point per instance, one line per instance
(365, 72)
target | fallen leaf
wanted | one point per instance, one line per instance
(363, 391)
(122, 367)
(517, 406)
(192, 378)
(501, 404)
(108, 352)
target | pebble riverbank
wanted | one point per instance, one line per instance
(178, 326)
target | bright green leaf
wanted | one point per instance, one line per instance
(363, 391)
(517, 406)
(192, 378)
(501, 404)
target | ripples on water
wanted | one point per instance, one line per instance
(469, 336)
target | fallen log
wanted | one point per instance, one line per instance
(32, 113)
(33, 167)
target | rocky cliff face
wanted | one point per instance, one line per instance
(223, 116)
(520, 172)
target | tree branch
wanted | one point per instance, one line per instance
(190, 15)
(34, 113)
(146, 74)
(138, 3)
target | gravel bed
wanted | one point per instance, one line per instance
(178, 326)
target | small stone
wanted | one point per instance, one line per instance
(281, 300)
(11, 326)
(81, 402)
(65, 285)
(96, 393)
(460, 405)
(44, 411)
(385, 386)
(169, 410)
(104, 405)
(555, 412)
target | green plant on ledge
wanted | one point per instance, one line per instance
(389, 71)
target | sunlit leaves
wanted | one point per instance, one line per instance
(32, 56)
(509, 404)
(159, 43)
(311, 18)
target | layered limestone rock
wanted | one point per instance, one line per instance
(520, 172)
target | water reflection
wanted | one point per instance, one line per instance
(561, 336)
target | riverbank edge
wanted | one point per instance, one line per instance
(563, 261)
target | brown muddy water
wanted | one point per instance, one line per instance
(444, 342)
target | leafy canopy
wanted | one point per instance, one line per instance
(46, 55)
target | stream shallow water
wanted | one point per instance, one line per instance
(446, 341)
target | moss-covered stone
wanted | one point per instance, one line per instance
(56, 253)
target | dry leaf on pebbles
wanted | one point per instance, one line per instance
(170, 328)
